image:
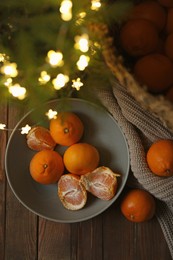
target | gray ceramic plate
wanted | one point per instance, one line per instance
(101, 130)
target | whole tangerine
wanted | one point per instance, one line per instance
(151, 11)
(67, 128)
(138, 205)
(166, 3)
(169, 46)
(169, 23)
(169, 94)
(81, 158)
(160, 157)
(46, 166)
(155, 71)
(139, 37)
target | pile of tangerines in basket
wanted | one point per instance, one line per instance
(147, 37)
(78, 171)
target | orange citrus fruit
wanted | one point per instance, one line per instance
(71, 192)
(160, 157)
(39, 138)
(81, 158)
(139, 37)
(138, 205)
(151, 11)
(154, 71)
(166, 3)
(66, 129)
(46, 166)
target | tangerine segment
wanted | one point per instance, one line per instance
(46, 167)
(71, 192)
(160, 157)
(39, 138)
(138, 205)
(81, 158)
(102, 182)
(66, 129)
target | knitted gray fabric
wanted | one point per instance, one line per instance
(141, 128)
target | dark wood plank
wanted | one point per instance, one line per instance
(89, 240)
(70, 241)
(21, 224)
(54, 240)
(3, 140)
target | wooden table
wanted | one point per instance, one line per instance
(109, 236)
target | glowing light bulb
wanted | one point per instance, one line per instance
(80, 18)
(51, 114)
(77, 84)
(2, 126)
(2, 57)
(8, 82)
(55, 58)
(82, 15)
(44, 77)
(82, 42)
(17, 91)
(60, 81)
(66, 10)
(25, 129)
(10, 69)
(83, 62)
(95, 5)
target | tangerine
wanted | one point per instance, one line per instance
(154, 71)
(169, 23)
(39, 138)
(168, 46)
(139, 37)
(138, 205)
(46, 166)
(169, 94)
(66, 129)
(71, 192)
(81, 158)
(151, 11)
(160, 157)
(166, 3)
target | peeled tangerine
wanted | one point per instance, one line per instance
(39, 138)
(71, 192)
(101, 182)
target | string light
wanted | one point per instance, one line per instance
(82, 42)
(51, 114)
(10, 69)
(17, 91)
(8, 82)
(83, 61)
(2, 126)
(55, 58)
(25, 129)
(95, 5)
(44, 77)
(3, 57)
(77, 84)
(60, 81)
(80, 18)
(66, 10)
